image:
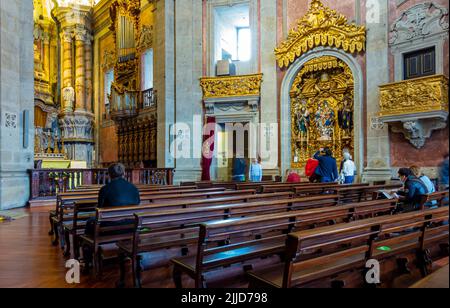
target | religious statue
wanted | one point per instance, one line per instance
(325, 119)
(345, 116)
(303, 120)
(68, 98)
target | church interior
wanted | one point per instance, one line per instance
(214, 112)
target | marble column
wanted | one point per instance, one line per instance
(378, 151)
(80, 72)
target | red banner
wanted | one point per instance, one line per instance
(208, 147)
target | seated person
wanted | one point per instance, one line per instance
(119, 192)
(431, 188)
(292, 177)
(425, 180)
(413, 191)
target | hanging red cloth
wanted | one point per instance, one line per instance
(208, 148)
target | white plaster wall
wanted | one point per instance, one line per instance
(16, 96)
(188, 93)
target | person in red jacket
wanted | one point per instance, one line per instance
(310, 170)
(292, 177)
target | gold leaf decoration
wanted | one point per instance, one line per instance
(231, 86)
(321, 26)
(414, 96)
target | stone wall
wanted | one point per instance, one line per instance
(16, 96)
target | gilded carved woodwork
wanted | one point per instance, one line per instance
(415, 107)
(321, 26)
(414, 96)
(322, 99)
(231, 86)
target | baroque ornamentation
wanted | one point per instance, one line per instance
(415, 107)
(321, 26)
(231, 86)
(145, 38)
(414, 96)
(421, 20)
(109, 59)
(416, 131)
(322, 99)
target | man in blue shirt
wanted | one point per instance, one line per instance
(327, 169)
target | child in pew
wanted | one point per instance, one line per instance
(119, 192)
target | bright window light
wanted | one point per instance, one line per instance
(244, 44)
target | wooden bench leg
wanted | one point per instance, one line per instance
(76, 247)
(55, 238)
(122, 268)
(424, 262)
(87, 258)
(52, 226)
(137, 271)
(67, 247)
(177, 277)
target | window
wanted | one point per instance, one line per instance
(109, 79)
(420, 63)
(244, 38)
(147, 70)
(233, 36)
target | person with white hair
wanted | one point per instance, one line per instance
(348, 169)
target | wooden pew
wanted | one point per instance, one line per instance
(245, 239)
(92, 194)
(363, 193)
(76, 214)
(179, 229)
(94, 190)
(313, 255)
(66, 203)
(308, 188)
(440, 199)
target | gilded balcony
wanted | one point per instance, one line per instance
(414, 96)
(231, 86)
(415, 107)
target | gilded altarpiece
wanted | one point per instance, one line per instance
(322, 110)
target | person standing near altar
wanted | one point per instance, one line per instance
(327, 169)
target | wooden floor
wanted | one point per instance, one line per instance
(28, 260)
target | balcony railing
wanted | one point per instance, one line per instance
(123, 104)
(50, 182)
(414, 96)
